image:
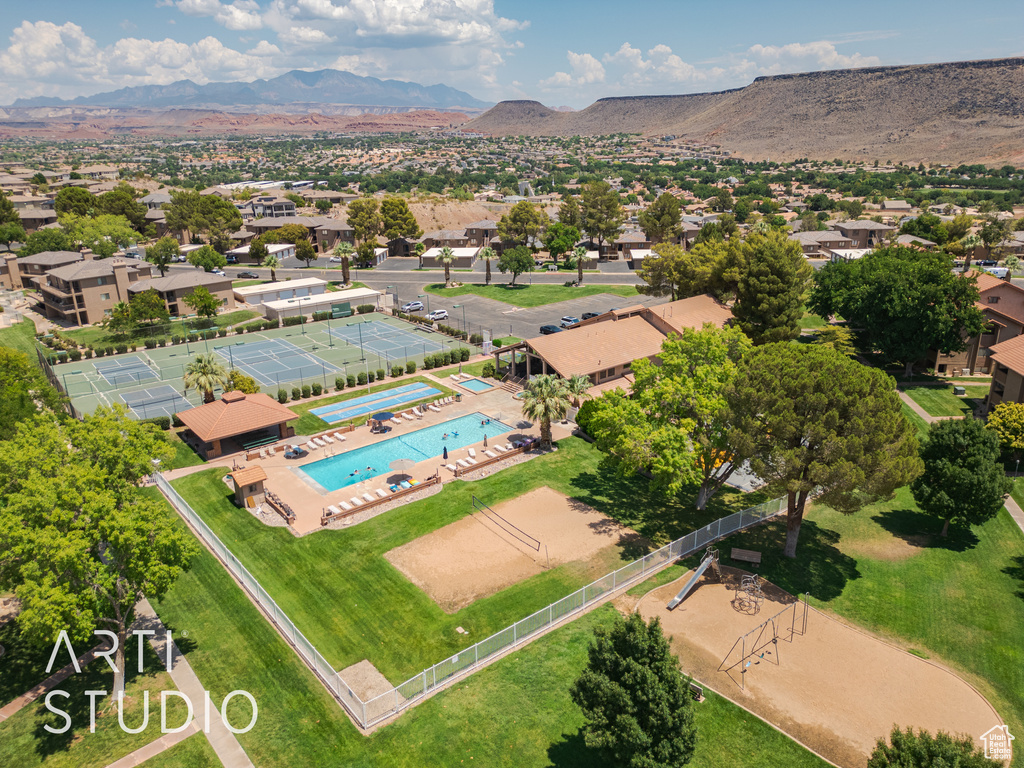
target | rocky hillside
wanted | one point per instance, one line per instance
(969, 112)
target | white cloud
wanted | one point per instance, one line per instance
(264, 48)
(238, 15)
(792, 57)
(304, 36)
(585, 70)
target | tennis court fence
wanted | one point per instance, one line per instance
(422, 684)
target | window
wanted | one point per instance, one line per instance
(993, 299)
(106, 312)
(101, 281)
(104, 297)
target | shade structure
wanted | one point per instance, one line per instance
(485, 440)
(382, 416)
(402, 465)
(445, 453)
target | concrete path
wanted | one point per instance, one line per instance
(34, 693)
(921, 411)
(1015, 511)
(155, 747)
(223, 741)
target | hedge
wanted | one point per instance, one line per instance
(488, 371)
(164, 422)
(410, 366)
(397, 370)
(254, 327)
(317, 316)
(282, 396)
(339, 383)
(361, 378)
(176, 421)
(350, 380)
(371, 376)
(296, 320)
(318, 388)
(381, 374)
(306, 390)
(296, 393)
(365, 309)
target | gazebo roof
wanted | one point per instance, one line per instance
(235, 414)
(248, 475)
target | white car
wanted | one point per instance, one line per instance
(412, 306)
(220, 272)
(335, 260)
(438, 314)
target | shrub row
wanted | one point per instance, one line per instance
(441, 359)
(413, 318)
(365, 309)
(449, 331)
(164, 422)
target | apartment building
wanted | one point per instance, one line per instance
(18, 273)
(84, 292)
(173, 288)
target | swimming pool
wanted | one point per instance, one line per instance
(476, 385)
(338, 471)
(378, 401)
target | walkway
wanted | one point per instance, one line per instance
(34, 693)
(223, 741)
(921, 411)
(155, 747)
(1015, 511)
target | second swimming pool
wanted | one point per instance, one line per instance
(372, 461)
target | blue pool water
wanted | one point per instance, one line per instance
(477, 385)
(378, 401)
(337, 471)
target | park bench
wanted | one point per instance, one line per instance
(746, 555)
(696, 692)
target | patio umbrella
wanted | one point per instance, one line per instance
(402, 465)
(382, 416)
(445, 453)
(485, 440)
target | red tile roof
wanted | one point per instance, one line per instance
(248, 476)
(235, 414)
(1009, 353)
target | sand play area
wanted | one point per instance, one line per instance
(835, 688)
(481, 554)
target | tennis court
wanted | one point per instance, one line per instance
(378, 401)
(272, 361)
(387, 339)
(164, 400)
(122, 371)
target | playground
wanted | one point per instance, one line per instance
(278, 358)
(832, 686)
(491, 549)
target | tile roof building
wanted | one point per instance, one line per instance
(234, 417)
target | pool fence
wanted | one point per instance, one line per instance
(367, 714)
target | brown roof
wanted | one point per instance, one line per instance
(93, 268)
(235, 414)
(248, 475)
(592, 348)
(54, 258)
(181, 279)
(693, 312)
(1009, 353)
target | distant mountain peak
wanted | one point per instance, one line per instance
(324, 86)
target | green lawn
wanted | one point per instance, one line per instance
(183, 455)
(959, 601)
(811, 322)
(309, 424)
(919, 424)
(246, 283)
(514, 713)
(531, 295)
(22, 337)
(939, 400)
(474, 369)
(95, 334)
(24, 743)
(507, 340)
(340, 609)
(194, 752)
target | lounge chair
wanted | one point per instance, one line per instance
(434, 408)
(462, 463)
(500, 448)
(508, 446)
(272, 450)
(394, 488)
(472, 453)
(413, 482)
(333, 510)
(397, 421)
(327, 438)
(263, 453)
(382, 493)
(407, 417)
(317, 441)
(450, 467)
(406, 484)
(339, 437)
(472, 460)
(490, 454)
(311, 447)
(418, 413)
(346, 507)
(367, 497)
(356, 502)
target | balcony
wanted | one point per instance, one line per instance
(51, 290)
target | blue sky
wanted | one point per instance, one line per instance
(560, 53)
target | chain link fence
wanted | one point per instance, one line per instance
(406, 694)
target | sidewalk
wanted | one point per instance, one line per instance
(1015, 511)
(34, 693)
(921, 411)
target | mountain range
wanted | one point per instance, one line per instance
(959, 112)
(295, 91)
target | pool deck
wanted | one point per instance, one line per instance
(309, 502)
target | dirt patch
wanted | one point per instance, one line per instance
(452, 214)
(835, 688)
(364, 680)
(894, 548)
(481, 554)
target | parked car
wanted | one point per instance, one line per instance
(231, 259)
(412, 306)
(335, 260)
(248, 275)
(569, 321)
(588, 315)
(1003, 273)
(548, 329)
(986, 262)
(220, 273)
(438, 314)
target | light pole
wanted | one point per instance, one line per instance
(464, 326)
(395, 289)
(427, 297)
(362, 355)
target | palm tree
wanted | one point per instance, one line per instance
(579, 388)
(581, 255)
(487, 253)
(205, 373)
(420, 249)
(446, 257)
(970, 243)
(272, 263)
(545, 399)
(344, 250)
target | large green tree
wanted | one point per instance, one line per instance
(75, 200)
(903, 302)
(963, 481)
(1007, 421)
(546, 399)
(80, 544)
(202, 302)
(205, 373)
(8, 213)
(813, 420)
(364, 218)
(304, 251)
(103, 234)
(162, 253)
(907, 749)
(770, 295)
(120, 321)
(24, 391)
(559, 239)
(516, 260)
(11, 233)
(120, 201)
(675, 426)
(570, 213)
(601, 210)
(523, 222)
(208, 215)
(634, 698)
(397, 220)
(662, 221)
(207, 258)
(147, 306)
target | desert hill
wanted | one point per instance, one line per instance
(961, 112)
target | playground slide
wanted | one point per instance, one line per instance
(691, 583)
